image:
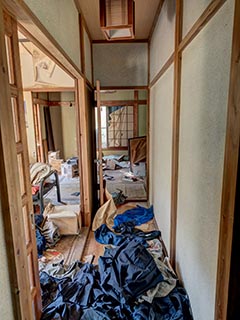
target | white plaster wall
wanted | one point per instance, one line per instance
(56, 120)
(60, 18)
(6, 310)
(205, 82)
(192, 10)
(117, 95)
(88, 56)
(161, 110)
(162, 42)
(68, 127)
(121, 64)
(58, 78)
(27, 96)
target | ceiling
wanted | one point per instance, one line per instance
(145, 11)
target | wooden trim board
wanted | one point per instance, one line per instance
(175, 132)
(208, 13)
(164, 68)
(33, 26)
(229, 175)
(158, 12)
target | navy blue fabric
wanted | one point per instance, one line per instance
(176, 304)
(41, 243)
(126, 230)
(111, 292)
(128, 271)
(104, 235)
(138, 216)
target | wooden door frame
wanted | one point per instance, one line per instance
(229, 175)
(135, 103)
(34, 30)
(24, 277)
(10, 197)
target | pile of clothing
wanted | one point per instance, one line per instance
(132, 280)
(128, 283)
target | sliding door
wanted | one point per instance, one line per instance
(26, 289)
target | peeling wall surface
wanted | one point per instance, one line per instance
(161, 109)
(60, 18)
(205, 82)
(35, 76)
(121, 64)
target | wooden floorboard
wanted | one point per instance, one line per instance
(69, 248)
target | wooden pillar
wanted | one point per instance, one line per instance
(229, 175)
(84, 151)
(176, 126)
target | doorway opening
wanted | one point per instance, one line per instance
(123, 128)
(51, 121)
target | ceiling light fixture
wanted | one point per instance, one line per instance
(117, 19)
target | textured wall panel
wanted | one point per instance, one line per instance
(192, 11)
(123, 64)
(205, 82)
(60, 18)
(69, 127)
(162, 43)
(161, 110)
(88, 56)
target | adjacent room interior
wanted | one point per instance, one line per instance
(119, 156)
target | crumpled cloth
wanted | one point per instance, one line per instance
(92, 294)
(38, 171)
(137, 216)
(125, 231)
(128, 271)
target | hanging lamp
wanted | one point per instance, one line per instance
(117, 19)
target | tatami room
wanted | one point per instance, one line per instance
(133, 106)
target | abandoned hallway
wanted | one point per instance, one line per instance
(176, 84)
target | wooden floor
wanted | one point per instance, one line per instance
(84, 247)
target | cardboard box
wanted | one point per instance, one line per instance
(56, 164)
(67, 218)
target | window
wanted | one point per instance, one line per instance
(117, 126)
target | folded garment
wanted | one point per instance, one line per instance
(138, 216)
(38, 171)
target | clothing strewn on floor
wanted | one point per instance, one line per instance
(131, 282)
